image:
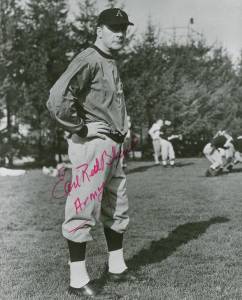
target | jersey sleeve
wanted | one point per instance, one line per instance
(153, 131)
(67, 95)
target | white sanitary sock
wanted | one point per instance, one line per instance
(172, 162)
(78, 274)
(116, 262)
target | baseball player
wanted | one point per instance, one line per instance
(167, 149)
(88, 101)
(220, 152)
(154, 132)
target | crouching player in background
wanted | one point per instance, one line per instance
(220, 152)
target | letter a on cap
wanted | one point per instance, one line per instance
(119, 14)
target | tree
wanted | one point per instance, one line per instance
(46, 57)
(211, 105)
(113, 4)
(193, 85)
(141, 73)
(11, 29)
(84, 26)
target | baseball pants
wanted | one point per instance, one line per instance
(237, 157)
(167, 152)
(97, 190)
(157, 149)
(213, 155)
(229, 155)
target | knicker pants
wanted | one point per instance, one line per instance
(157, 147)
(229, 152)
(167, 150)
(213, 155)
(97, 190)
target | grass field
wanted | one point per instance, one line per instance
(184, 240)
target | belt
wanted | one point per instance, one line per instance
(116, 136)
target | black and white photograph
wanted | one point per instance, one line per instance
(121, 149)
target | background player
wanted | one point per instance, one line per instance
(167, 139)
(220, 152)
(154, 132)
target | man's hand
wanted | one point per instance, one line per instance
(97, 129)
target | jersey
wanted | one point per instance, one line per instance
(154, 131)
(90, 90)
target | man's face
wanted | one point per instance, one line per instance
(113, 37)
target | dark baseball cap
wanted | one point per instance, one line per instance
(113, 16)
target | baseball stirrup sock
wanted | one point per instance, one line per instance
(78, 274)
(116, 263)
(114, 239)
(77, 251)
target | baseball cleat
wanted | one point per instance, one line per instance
(229, 168)
(213, 172)
(124, 276)
(86, 291)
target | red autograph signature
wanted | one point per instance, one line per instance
(85, 172)
(85, 175)
(95, 195)
(78, 227)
